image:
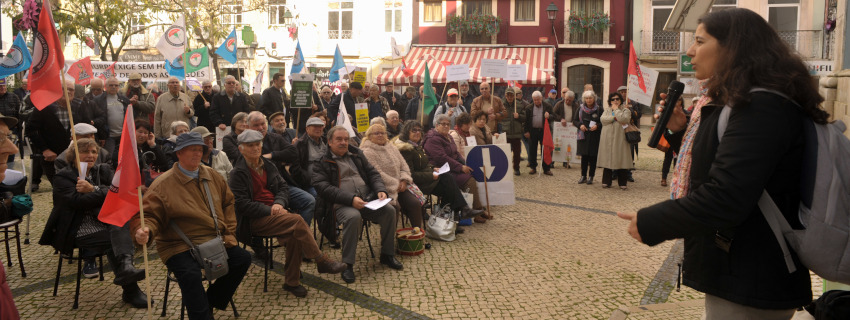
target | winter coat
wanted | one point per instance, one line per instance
(146, 102)
(444, 108)
(203, 113)
(589, 146)
(762, 149)
(442, 150)
(298, 169)
(529, 116)
(614, 150)
(170, 109)
(230, 146)
(481, 137)
(459, 140)
(479, 103)
(421, 170)
(223, 110)
(325, 176)
(378, 108)
(514, 128)
(241, 184)
(336, 103)
(560, 113)
(389, 162)
(219, 163)
(70, 206)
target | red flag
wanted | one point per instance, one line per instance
(47, 62)
(404, 69)
(634, 68)
(512, 83)
(109, 72)
(122, 200)
(548, 144)
(81, 71)
(446, 63)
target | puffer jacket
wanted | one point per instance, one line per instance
(389, 162)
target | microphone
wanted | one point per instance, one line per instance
(674, 91)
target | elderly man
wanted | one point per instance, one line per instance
(112, 105)
(202, 104)
(171, 106)
(22, 92)
(353, 95)
(49, 131)
(535, 114)
(514, 125)
(261, 200)
(490, 105)
(564, 110)
(552, 97)
(82, 131)
(282, 153)
(178, 200)
(345, 179)
(412, 112)
(227, 103)
(325, 97)
(393, 124)
(393, 98)
(142, 100)
(311, 147)
(465, 96)
(278, 123)
(452, 107)
(274, 97)
(95, 89)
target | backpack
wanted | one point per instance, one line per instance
(824, 245)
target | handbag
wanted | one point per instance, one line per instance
(441, 225)
(211, 255)
(632, 133)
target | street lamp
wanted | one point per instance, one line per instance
(287, 16)
(551, 10)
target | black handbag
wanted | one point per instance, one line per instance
(632, 134)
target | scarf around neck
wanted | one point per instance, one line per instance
(585, 109)
(681, 183)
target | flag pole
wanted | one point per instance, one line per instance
(486, 191)
(145, 254)
(71, 123)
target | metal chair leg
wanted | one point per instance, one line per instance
(58, 272)
(165, 298)
(235, 312)
(20, 257)
(101, 267)
(8, 253)
(79, 273)
(368, 239)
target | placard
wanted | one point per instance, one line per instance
(302, 91)
(500, 179)
(517, 72)
(649, 78)
(457, 72)
(361, 115)
(565, 140)
(494, 68)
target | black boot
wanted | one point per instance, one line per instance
(125, 272)
(590, 180)
(582, 180)
(134, 296)
(466, 212)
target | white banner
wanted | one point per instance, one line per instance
(649, 78)
(500, 174)
(517, 72)
(150, 71)
(565, 139)
(457, 72)
(495, 68)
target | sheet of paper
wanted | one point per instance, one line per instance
(12, 177)
(470, 141)
(592, 124)
(83, 167)
(501, 139)
(445, 168)
(516, 72)
(457, 72)
(377, 204)
(495, 68)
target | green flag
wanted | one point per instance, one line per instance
(196, 60)
(430, 99)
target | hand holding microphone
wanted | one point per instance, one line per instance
(674, 92)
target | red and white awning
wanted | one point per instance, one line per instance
(539, 59)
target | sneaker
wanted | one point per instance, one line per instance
(90, 269)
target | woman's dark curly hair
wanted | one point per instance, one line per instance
(404, 135)
(463, 119)
(753, 55)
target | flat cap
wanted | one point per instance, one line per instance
(315, 122)
(135, 76)
(84, 129)
(622, 88)
(249, 136)
(203, 131)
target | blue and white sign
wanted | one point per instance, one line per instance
(500, 175)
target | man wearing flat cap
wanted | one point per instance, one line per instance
(261, 200)
(142, 100)
(353, 95)
(394, 99)
(279, 125)
(178, 200)
(82, 131)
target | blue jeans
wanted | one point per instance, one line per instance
(190, 279)
(303, 203)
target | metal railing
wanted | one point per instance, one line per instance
(809, 43)
(340, 34)
(661, 42)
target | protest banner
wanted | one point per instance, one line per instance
(457, 72)
(635, 93)
(516, 72)
(565, 138)
(150, 71)
(494, 68)
(361, 116)
(302, 90)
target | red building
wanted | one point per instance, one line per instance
(597, 55)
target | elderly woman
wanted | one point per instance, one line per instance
(74, 222)
(441, 150)
(213, 158)
(587, 120)
(378, 105)
(394, 171)
(461, 131)
(229, 144)
(480, 130)
(393, 124)
(614, 154)
(424, 174)
(177, 128)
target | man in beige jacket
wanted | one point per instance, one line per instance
(170, 107)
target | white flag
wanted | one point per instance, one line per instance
(258, 81)
(395, 48)
(172, 42)
(342, 118)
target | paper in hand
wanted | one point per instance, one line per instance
(83, 167)
(592, 124)
(377, 204)
(445, 168)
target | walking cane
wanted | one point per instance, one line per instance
(486, 191)
(145, 254)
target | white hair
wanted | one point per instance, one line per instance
(206, 82)
(392, 113)
(571, 94)
(378, 120)
(176, 124)
(588, 94)
(255, 115)
(229, 77)
(536, 94)
(172, 78)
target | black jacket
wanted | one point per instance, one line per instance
(46, 131)
(70, 206)
(762, 149)
(102, 122)
(325, 176)
(529, 116)
(203, 114)
(272, 101)
(241, 183)
(222, 110)
(230, 146)
(298, 169)
(333, 108)
(399, 105)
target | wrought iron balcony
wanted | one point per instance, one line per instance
(340, 34)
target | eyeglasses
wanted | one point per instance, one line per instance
(444, 124)
(8, 136)
(416, 130)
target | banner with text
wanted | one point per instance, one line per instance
(150, 71)
(302, 90)
(565, 139)
(361, 116)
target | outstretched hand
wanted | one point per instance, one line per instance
(633, 229)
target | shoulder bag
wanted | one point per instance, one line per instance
(211, 255)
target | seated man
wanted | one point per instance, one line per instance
(261, 198)
(279, 126)
(82, 131)
(345, 179)
(178, 197)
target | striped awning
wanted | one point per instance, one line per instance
(539, 61)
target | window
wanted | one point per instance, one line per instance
(392, 16)
(580, 75)
(136, 39)
(231, 14)
(476, 6)
(433, 11)
(276, 11)
(340, 19)
(663, 40)
(723, 5)
(783, 16)
(524, 10)
(588, 36)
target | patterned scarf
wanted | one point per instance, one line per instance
(585, 109)
(681, 183)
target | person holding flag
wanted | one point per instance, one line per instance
(536, 123)
(347, 99)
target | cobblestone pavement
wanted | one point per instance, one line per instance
(558, 253)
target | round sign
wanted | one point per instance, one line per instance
(195, 59)
(497, 168)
